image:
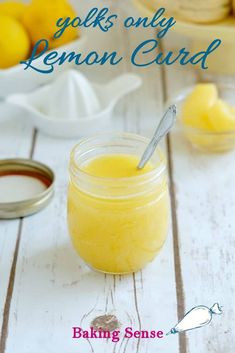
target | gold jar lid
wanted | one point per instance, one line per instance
(26, 187)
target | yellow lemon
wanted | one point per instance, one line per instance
(14, 42)
(40, 19)
(196, 106)
(222, 116)
(12, 8)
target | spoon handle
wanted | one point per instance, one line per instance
(162, 130)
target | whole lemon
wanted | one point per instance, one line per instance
(40, 20)
(12, 8)
(14, 42)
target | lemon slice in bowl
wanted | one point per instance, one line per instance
(222, 116)
(197, 104)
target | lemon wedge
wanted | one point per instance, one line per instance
(197, 104)
(222, 116)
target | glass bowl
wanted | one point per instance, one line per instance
(208, 141)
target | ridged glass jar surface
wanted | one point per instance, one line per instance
(117, 225)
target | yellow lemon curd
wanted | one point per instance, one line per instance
(209, 121)
(121, 229)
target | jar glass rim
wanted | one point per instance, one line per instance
(154, 173)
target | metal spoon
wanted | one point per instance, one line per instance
(162, 130)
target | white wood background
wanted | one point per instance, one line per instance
(44, 288)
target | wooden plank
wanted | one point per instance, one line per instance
(205, 199)
(15, 141)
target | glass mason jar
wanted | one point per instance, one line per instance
(117, 225)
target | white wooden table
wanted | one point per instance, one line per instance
(44, 288)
